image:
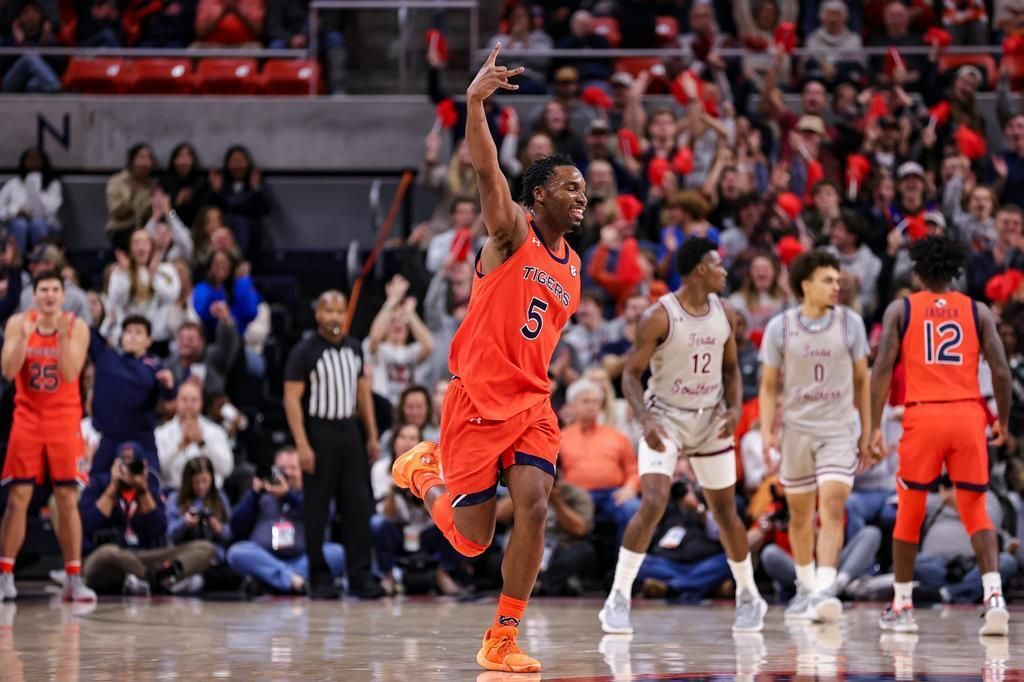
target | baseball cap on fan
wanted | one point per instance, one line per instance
(623, 79)
(909, 169)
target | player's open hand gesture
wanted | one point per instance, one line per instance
(492, 77)
(28, 323)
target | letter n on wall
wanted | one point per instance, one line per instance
(44, 129)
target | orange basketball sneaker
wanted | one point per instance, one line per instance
(422, 457)
(501, 653)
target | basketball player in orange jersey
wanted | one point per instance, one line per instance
(44, 351)
(497, 414)
(940, 335)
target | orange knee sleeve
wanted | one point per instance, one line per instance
(973, 514)
(444, 518)
(910, 512)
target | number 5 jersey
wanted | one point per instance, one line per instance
(516, 314)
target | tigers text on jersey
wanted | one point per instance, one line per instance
(817, 374)
(940, 347)
(516, 314)
(686, 369)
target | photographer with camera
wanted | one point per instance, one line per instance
(198, 509)
(685, 559)
(125, 526)
(272, 536)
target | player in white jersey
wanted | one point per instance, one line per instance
(818, 352)
(687, 340)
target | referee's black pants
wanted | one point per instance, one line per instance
(341, 472)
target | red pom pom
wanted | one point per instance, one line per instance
(785, 37)
(971, 144)
(1003, 286)
(790, 204)
(436, 40)
(629, 143)
(915, 227)
(938, 35)
(596, 97)
(686, 87)
(505, 120)
(789, 248)
(629, 206)
(940, 112)
(857, 168)
(656, 170)
(447, 112)
(682, 162)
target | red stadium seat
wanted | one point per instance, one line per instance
(290, 77)
(163, 76)
(609, 28)
(985, 63)
(227, 77)
(99, 75)
(635, 65)
(666, 30)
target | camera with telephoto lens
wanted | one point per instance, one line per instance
(136, 467)
(679, 488)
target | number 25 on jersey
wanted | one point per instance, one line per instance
(941, 342)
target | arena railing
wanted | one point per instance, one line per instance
(619, 53)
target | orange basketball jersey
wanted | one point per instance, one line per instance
(515, 318)
(44, 402)
(940, 347)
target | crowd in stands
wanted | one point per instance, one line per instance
(873, 157)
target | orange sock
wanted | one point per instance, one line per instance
(6, 564)
(73, 567)
(510, 611)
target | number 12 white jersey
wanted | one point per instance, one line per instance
(686, 369)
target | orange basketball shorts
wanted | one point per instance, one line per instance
(31, 458)
(944, 433)
(475, 450)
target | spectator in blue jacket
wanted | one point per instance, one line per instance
(198, 510)
(269, 518)
(130, 385)
(229, 284)
(124, 526)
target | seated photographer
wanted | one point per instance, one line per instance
(188, 435)
(271, 537)
(125, 527)
(946, 569)
(685, 560)
(568, 555)
(198, 509)
(402, 528)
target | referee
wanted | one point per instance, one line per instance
(324, 390)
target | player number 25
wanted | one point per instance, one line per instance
(43, 377)
(534, 319)
(941, 341)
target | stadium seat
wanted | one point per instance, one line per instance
(609, 28)
(227, 77)
(985, 62)
(290, 77)
(666, 30)
(1016, 67)
(635, 65)
(163, 76)
(99, 75)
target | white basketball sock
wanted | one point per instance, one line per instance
(805, 576)
(903, 595)
(626, 569)
(825, 578)
(993, 583)
(743, 574)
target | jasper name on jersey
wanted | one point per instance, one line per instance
(544, 279)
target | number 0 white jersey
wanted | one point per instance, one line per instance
(817, 374)
(686, 369)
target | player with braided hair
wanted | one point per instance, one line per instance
(940, 335)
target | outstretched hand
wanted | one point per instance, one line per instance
(492, 77)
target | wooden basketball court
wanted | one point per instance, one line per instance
(422, 640)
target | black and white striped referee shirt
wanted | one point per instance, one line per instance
(330, 373)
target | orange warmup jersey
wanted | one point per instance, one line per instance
(940, 348)
(515, 318)
(44, 402)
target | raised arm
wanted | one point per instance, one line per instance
(881, 372)
(992, 347)
(651, 331)
(72, 346)
(504, 219)
(18, 329)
